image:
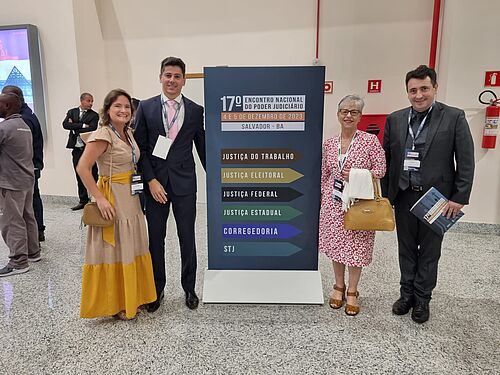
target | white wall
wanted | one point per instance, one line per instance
(382, 41)
(55, 22)
(102, 44)
(470, 46)
(91, 52)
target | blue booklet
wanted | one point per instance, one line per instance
(429, 208)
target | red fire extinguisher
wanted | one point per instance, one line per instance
(491, 122)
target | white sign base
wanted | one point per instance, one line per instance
(263, 286)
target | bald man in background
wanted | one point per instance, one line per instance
(31, 120)
(80, 120)
(17, 220)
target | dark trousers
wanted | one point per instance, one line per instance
(82, 190)
(419, 249)
(37, 203)
(184, 208)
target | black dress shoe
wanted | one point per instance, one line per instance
(153, 306)
(420, 312)
(192, 300)
(79, 206)
(41, 236)
(402, 306)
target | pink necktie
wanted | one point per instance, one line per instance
(171, 108)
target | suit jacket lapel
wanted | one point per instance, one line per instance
(187, 117)
(187, 112)
(435, 122)
(403, 131)
(158, 108)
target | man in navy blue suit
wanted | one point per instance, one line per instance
(167, 125)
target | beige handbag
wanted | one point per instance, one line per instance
(91, 214)
(370, 214)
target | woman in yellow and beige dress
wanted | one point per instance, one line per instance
(117, 274)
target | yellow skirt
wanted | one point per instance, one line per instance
(108, 289)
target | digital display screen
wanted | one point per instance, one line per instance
(15, 68)
(20, 65)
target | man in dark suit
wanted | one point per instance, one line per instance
(427, 145)
(79, 120)
(166, 127)
(36, 132)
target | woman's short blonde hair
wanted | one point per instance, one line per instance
(359, 102)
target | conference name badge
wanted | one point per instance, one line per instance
(162, 147)
(412, 160)
(136, 185)
(338, 188)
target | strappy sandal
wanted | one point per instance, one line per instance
(122, 316)
(352, 310)
(337, 303)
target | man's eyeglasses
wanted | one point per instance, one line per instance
(353, 112)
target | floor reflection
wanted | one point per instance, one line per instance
(8, 297)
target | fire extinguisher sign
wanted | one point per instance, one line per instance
(492, 79)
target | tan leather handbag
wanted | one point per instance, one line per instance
(91, 214)
(370, 214)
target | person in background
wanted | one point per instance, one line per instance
(31, 120)
(17, 178)
(81, 120)
(117, 275)
(135, 106)
(352, 148)
(428, 144)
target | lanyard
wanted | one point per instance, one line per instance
(342, 162)
(420, 127)
(134, 154)
(165, 115)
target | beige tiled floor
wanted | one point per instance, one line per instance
(41, 332)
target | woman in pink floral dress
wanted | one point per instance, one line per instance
(351, 149)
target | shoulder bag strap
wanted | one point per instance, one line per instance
(111, 165)
(376, 187)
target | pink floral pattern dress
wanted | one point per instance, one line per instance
(349, 247)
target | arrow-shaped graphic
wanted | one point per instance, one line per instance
(259, 194)
(259, 175)
(259, 213)
(260, 249)
(258, 156)
(275, 231)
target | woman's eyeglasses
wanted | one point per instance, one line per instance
(353, 112)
